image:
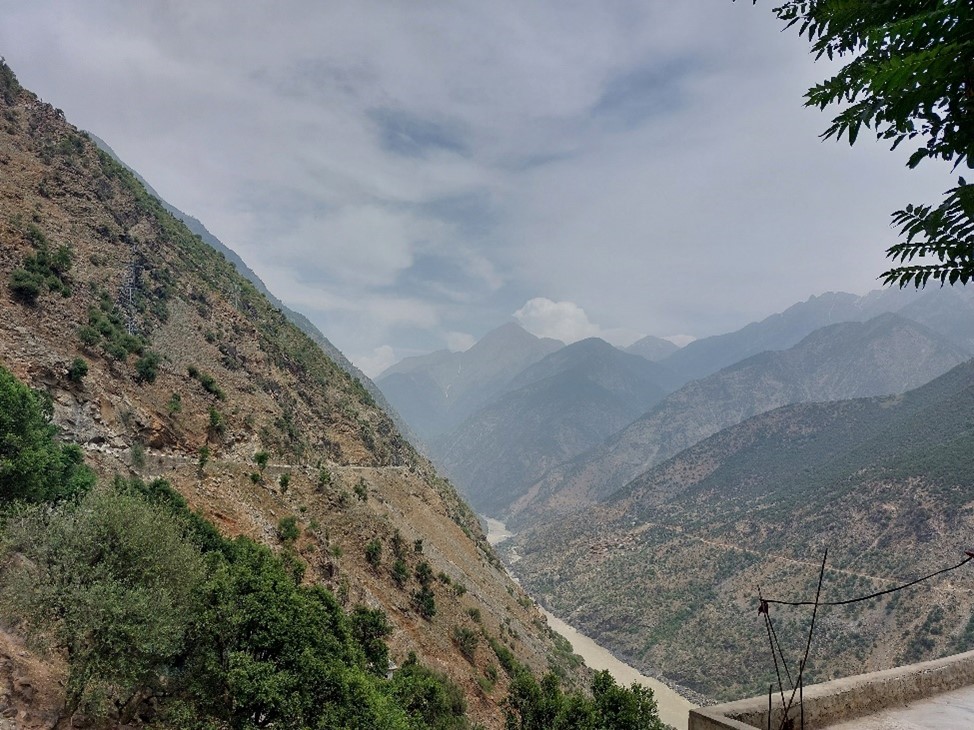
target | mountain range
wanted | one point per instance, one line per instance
(554, 409)
(885, 355)
(667, 571)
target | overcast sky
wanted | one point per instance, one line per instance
(410, 175)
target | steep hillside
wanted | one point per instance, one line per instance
(435, 393)
(162, 360)
(557, 408)
(668, 570)
(303, 323)
(885, 355)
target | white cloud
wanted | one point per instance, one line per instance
(374, 363)
(565, 321)
(401, 172)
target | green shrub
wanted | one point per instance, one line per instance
(218, 425)
(41, 270)
(425, 602)
(147, 367)
(26, 286)
(137, 455)
(324, 479)
(466, 641)
(400, 572)
(77, 370)
(429, 697)
(287, 529)
(34, 466)
(373, 552)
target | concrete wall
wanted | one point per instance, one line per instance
(845, 699)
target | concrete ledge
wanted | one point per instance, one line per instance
(845, 699)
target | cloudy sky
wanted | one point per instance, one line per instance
(411, 175)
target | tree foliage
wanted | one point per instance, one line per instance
(909, 78)
(533, 705)
(112, 582)
(33, 465)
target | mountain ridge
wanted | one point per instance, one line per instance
(887, 354)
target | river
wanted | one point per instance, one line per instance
(673, 708)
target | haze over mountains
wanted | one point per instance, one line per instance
(552, 438)
(554, 409)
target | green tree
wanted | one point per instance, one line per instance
(77, 370)
(111, 582)
(268, 652)
(147, 367)
(909, 78)
(33, 466)
(370, 627)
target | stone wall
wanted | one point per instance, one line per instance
(845, 699)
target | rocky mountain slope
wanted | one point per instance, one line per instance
(303, 323)
(435, 393)
(557, 408)
(888, 354)
(668, 570)
(162, 360)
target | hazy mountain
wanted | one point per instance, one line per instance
(437, 392)
(668, 570)
(652, 348)
(888, 354)
(189, 371)
(564, 404)
(781, 331)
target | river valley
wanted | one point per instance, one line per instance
(673, 707)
